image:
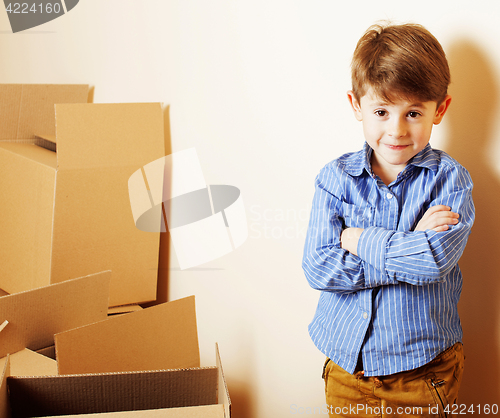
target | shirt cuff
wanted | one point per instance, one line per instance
(372, 248)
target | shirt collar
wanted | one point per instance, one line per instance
(426, 158)
(360, 161)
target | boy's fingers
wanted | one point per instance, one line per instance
(445, 213)
(446, 216)
(438, 218)
(445, 219)
(437, 208)
(439, 222)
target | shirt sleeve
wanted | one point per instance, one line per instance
(326, 265)
(421, 257)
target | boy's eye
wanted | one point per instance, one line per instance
(413, 114)
(380, 112)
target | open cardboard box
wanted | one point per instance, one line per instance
(190, 392)
(143, 361)
(64, 170)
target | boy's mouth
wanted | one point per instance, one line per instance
(396, 147)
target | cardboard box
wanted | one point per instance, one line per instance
(141, 361)
(66, 209)
(190, 392)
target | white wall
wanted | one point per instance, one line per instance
(258, 87)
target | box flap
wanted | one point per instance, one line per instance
(29, 108)
(29, 363)
(99, 146)
(97, 393)
(36, 315)
(4, 392)
(160, 337)
(109, 135)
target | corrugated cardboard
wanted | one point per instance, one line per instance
(67, 213)
(160, 337)
(35, 316)
(95, 393)
(188, 391)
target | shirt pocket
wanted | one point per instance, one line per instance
(355, 216)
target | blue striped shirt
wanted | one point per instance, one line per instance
(396, 302)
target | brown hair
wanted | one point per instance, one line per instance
(400, 61)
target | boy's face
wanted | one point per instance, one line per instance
(396, 131)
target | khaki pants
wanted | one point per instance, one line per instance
(422, 392)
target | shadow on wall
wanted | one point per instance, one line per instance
(471, 121)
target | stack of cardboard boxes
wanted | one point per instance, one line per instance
(65, 214)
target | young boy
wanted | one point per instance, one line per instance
(387, 228)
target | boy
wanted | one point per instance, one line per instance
(387, 228)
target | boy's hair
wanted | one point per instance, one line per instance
(400, 61)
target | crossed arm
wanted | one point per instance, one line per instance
(437, 218)
(344, 260)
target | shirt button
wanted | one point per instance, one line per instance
(389, 196)
(365, 315)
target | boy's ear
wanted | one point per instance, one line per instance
(441, 110)
(356, 107)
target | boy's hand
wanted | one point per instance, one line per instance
(437, 218)
(349, 239)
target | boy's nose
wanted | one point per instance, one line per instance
(397, 129)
